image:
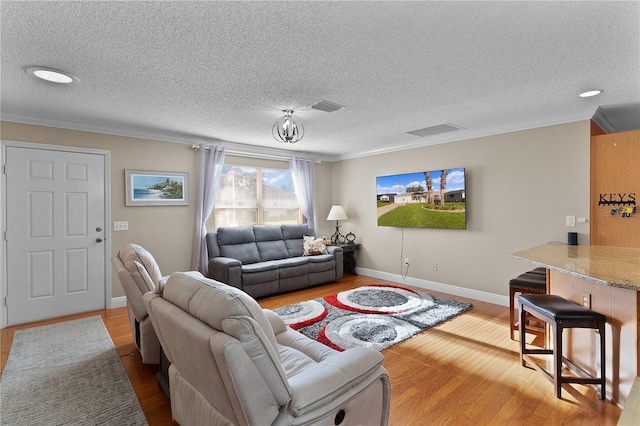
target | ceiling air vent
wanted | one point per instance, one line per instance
(327, 106)
(435, 130)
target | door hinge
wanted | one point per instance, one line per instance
(6, 302)
(6, 235)
(4, 169)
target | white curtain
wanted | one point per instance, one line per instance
(210, 164)
(304, 182)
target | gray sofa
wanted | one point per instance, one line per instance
(268, 259)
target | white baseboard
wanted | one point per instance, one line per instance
(118, 302)
(482, 296)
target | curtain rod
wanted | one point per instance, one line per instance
(256, 155)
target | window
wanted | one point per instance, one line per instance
(256, 196)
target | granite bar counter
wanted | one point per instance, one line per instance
(607, 279)
(613, 266)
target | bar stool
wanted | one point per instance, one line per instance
(532, 282)
(561, 314)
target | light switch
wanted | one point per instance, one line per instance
(120, 226)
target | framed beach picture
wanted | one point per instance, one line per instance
(156, 188)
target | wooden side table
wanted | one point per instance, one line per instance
(350, 252)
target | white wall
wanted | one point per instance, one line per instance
(519, 188)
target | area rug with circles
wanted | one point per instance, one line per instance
(376, 316)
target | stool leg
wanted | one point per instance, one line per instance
(512, 292)
(603, 362)
(557, 357)
(523, 347)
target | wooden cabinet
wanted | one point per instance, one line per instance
(620, 306)
(615, 187)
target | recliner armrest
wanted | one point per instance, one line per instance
(338, 254)
(320, 383)
(277, 324)
(334, 250)
(226, 270)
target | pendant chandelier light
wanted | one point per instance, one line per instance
(287, 129)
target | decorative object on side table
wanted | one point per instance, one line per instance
(337, 213)
(351, 238)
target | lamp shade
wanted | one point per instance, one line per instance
(337, 213)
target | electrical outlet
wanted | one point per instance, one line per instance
(570, 221)
(406, 260)
(435, 266)
(586, 300)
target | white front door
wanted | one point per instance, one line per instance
(55, 233)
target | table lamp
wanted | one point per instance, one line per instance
(337, 213)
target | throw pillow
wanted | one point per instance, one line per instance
(312, 246)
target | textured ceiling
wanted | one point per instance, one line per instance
(223, 71)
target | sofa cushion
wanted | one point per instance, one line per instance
(294, 232)
(323, 262)
(195, 294)
(235, 235)
(292, 235)
(292, 261)
(245, 253)
(267, 233)
(238, 243)
(313, 246)
(272, 250)
(149, 285)
(270, 243)
(258, 273)
(264, 355)
(293, 267)
(253, 268)
(131, 254)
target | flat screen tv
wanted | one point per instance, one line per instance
(429, 199)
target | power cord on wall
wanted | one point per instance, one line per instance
(403, 271)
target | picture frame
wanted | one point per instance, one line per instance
(156, 188)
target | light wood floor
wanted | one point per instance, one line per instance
(465, 371)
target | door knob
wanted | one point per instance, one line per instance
(99, 229)
(98, 240)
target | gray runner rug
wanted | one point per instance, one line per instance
(67, 374)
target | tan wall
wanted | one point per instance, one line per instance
(165, 231)
(520, 186)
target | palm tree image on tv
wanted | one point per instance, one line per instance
(429, 199)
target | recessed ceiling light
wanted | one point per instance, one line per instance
(51, 74)
(590, 93)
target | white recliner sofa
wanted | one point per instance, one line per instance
(139, 274)
(233, 363)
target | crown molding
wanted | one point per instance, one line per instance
(603, 122)
(233, 148)
(461, 135)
